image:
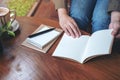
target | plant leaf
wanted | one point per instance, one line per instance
(9, 25)
(11, 33)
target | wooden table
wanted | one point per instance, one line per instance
(22, 63)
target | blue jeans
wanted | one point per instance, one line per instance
(94, 12)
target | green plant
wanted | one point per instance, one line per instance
(6, 31)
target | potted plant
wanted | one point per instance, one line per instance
(5, 33)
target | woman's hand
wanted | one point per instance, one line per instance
(68, 24)
(115, 23)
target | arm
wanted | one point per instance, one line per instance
(66, 22)
(114, 9)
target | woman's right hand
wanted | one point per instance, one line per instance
(68, 24)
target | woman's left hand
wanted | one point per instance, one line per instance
(115, 24)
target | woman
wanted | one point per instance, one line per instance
(102, 14)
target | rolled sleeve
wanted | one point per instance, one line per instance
(59, 4)
(114, 5)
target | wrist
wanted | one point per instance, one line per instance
(62, 11)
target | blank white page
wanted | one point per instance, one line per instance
(72, 48)
(100, 43)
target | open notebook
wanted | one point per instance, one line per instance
(85, 47)
(43, 42)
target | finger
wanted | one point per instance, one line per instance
(70, 31)
(118, 36)
(63, 26)
(115, 28)
(67, 31)
(74, 30)
(110, 26)
(79, 33)
(77, 29)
